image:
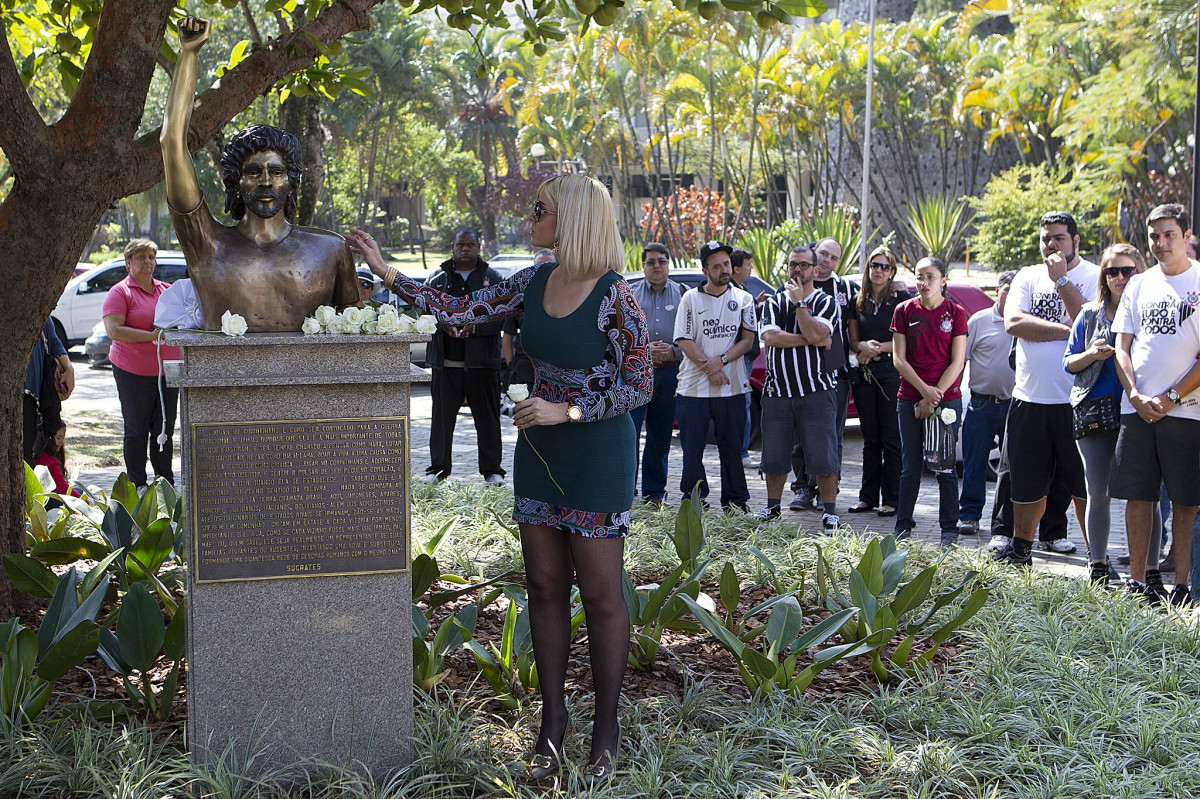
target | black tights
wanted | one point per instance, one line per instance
(552, 557)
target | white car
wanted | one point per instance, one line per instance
(79, 307)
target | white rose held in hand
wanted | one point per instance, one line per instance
(948, 416)
(518, 392)
(325, 315)
(311, 326)
(233, 324)
(426, 324)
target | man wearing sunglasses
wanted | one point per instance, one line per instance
(466, 367)
(659, 297)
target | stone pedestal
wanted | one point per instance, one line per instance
(295, 478)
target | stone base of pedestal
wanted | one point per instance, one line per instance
(295, 478)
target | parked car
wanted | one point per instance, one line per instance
(78, 308)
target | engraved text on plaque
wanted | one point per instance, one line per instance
(299, 499)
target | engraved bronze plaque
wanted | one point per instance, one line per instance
(299, 498)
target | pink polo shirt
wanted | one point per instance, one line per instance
(137, 305)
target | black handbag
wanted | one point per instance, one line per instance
(1096, 415)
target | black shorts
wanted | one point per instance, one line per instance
(1150, 454)
(1041, 444)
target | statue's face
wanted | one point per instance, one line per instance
(264, 184)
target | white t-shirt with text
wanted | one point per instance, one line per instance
(1040, 374)
(1160, 311)
(714, 323)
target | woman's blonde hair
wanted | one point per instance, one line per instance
(586, 237)
(1111, 254)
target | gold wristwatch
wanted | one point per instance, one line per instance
(574, 414)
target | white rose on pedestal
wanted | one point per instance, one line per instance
(233, 324)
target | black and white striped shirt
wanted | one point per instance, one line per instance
(797, 371)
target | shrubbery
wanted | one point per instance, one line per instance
(1014, 201)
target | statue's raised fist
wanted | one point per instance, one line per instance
(193, 32)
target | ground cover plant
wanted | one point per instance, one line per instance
(1053, 688)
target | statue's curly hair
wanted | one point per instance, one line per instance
(250, 141)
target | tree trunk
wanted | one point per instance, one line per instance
(68, 174)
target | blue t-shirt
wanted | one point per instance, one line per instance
(1107, 383)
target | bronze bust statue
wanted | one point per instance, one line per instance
(270, 271)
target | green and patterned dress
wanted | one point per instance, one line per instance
(576, 477)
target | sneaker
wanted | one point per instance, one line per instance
(803, 499)
(1099, 574)
(1155, 592)
(968, 527)
(767, 514)
(830, 523)
(1180, 596)
(735, 506)
(494, 479)
(1114, 577)
(1123, 559)
(999, 542)
(902, 535)
(949, 540)
(749, 462)
(432, 477)
(1062, 546)
(1009, 556)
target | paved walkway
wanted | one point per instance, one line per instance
(96, 391)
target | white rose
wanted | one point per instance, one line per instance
(386, 325)
(518, 392)
(387, 310)
(426, 324)
(355, 317)
(370, 314)
(371, 328)
(405, 324)
(948, 416)
(233, 324)
(325, 315)
(337, 327)
(311, 326)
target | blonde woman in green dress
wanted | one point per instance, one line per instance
(575, 459)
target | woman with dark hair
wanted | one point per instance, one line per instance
(147, 405)
(575, 458)
(1089, 357)
(51, 451)
(929, 348)
(877, 382)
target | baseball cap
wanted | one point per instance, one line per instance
(365, 273)
(714, 246)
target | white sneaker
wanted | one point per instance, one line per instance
(494, 479)
(749, 463)
(999, 542)
(830, 523)
(432, 478)
(1062, 546)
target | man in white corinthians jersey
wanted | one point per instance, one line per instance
(714, 328)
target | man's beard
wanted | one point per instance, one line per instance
(264, 203)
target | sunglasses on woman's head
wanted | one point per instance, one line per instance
(1126, 271)
(540, 210)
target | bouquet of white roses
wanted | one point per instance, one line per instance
(373, 320)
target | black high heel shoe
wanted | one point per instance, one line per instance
(543, 766)
(600, 772)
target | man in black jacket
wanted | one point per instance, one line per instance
(466, 365)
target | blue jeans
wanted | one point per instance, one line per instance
(659, 417)
(728, 415)
(912, 463)
(983, 427)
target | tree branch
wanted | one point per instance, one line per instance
(251, 79)
(23, 133)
